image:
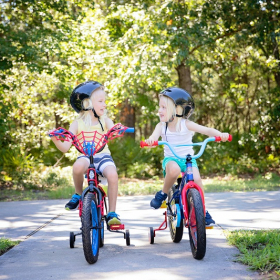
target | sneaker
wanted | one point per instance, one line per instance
(73, 203)
(113, 219)
(208, 220)
(158, 200)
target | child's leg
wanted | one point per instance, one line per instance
(172, 172)
(79, 169)
(111, 174)
(197, 178)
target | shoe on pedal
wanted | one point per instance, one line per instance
(156, 202)
(113, 218)
(73, 203)
(208, 220)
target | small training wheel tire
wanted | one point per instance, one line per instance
(151, 235)
(127, 237)
(72, 239)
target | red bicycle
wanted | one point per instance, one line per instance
(93, 206)
(185, 206)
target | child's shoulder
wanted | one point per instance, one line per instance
(159, 125)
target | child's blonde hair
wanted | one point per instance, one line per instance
(172, 110)
(85, 115)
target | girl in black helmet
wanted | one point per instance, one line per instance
(175, 107)
(88, 99)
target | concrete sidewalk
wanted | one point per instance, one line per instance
(44, 227)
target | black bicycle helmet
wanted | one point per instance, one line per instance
(81, 92)
(182, 98)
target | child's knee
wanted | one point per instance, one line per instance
(173, 170)
(78, 168)
(111, 175)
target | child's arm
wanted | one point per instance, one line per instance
(109, 123)
(65, 146)
(211, 132)
(155, 135)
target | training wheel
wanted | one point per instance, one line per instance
(127, 237)
(151, 235)
(72, 239)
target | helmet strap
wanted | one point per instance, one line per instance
(98, 119)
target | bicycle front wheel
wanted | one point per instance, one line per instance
(196, 224)
(90, 228)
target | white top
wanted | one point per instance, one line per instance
(177, 138)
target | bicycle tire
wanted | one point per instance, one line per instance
(151, 235)
(72, 239)
(196, 224)
(127, 237)
(176, 225)
(90, 230)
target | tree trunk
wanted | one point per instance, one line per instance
(127, 116)
(184, 75)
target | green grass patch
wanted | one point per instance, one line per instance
(259, 249)
(266, 182)
(6, 244)
(56, 183)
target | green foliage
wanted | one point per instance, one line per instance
(260, 249)
(135, 49)
(132, 161)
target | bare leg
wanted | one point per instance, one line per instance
(79, 169)
(172, 172)
(197, 178)
(111, 174)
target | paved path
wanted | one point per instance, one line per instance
(44, 227)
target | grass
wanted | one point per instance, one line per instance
(6, 244)
(127, 186)
(267, 182)
(259, 249)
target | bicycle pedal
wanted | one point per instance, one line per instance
(209, 227)
(163, 205)
(116, 227)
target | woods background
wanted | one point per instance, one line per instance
(225, 53)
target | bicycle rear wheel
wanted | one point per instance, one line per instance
(90, 228)
(196, 224)
(176, 226)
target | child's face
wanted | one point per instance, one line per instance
(98, 99)
(162, 111)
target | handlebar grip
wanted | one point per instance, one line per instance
(56, 132)
(130, 130)
(218, 138)
(144, 144)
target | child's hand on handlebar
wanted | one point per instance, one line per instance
(224, 136)
(150, 141)
(50, 131)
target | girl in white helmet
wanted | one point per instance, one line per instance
(175, 107)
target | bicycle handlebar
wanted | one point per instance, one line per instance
(89, 143)
(202, 144)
